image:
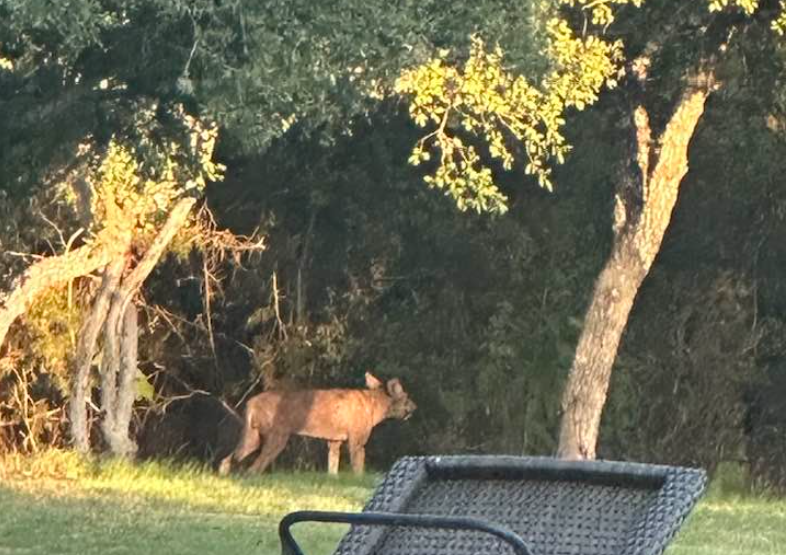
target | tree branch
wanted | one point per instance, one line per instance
(54, 270)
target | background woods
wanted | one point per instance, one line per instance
(479, 313)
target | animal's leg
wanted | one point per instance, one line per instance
(334, 455)
(274, 444)
(249, 442)
(357, 454)
(226, 465)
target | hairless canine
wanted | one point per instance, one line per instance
(335, 415)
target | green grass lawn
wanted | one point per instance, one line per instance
(734, 527)
(69, 507)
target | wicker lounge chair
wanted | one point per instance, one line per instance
(478, 505)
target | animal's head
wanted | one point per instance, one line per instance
(401, 406)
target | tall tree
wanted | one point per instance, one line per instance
(678, 59)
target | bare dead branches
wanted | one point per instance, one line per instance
(218, 243)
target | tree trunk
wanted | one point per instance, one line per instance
(126, 387)
(117, 394)
(54, 270)
(642, 214)
(110, 364)
(85, 352)
(120, 336)
(109, 244)
(604, 323)
(300, 290)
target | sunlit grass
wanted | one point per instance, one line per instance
(734, 525)
(60, 503)
(735, 517)
(190, 485)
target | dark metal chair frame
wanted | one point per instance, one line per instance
(473, 505)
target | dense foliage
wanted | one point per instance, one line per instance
(365, 268)
(479, 315)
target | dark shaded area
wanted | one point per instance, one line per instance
(479, 315)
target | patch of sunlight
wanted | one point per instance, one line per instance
(186, 486)
(740, 506)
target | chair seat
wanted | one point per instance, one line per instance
(556, 507)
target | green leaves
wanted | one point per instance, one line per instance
(485, 100)
(257, 68)
(144, 389)
(493, 105)
(65, 27)
(747, 6)
(779, 24)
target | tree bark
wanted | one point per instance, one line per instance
(111, 243)
(604, 323)
(117, 378)
(300, 290)
(117, 391)
(110, 364)
(54, 270)
(640, 224)
(129, 348)
(85, 351)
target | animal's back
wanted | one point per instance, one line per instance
(332, 414)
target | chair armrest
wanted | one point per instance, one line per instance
(290, 547)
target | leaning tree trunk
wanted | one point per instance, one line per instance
(55, 270)
(110, 244)
(108, 251)
(640, 223)
(119, 361)
(85, 351)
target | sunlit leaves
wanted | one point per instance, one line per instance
(601, 10)
(484, 100)
(142, 193)
(747, 6)
(492, 106)
(52, 322)
(779, 25)
(144, 390)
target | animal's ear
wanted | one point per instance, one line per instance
(394, 388)
(372, 382)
